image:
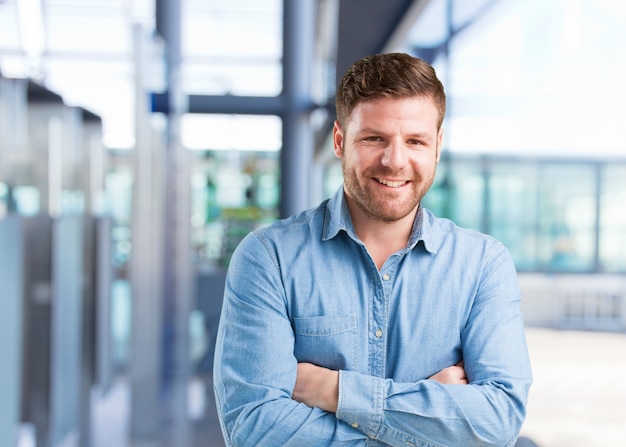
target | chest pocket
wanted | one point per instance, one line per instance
(329, 341)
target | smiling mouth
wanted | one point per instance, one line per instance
(392, 183)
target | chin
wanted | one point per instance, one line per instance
(387, 215)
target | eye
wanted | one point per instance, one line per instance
(372, 138)
(415, 142)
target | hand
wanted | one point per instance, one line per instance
(317, 387)
(451, 375)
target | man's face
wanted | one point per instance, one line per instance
(389, 151)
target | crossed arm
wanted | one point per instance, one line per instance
(261, 400)
(317, 386)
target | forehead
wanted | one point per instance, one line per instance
(414, 113)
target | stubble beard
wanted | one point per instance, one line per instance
(383, 207)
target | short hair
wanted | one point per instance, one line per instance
(388, 75)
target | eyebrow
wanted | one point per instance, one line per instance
(419, 135)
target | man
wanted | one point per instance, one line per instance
(368, 321)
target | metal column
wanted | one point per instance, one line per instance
(177, 268)
(298, 136)
(145, 263)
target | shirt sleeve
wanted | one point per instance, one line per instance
(255, 367)
(487, 412)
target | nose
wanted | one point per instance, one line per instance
(395, 155)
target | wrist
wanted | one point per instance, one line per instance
(332, 392)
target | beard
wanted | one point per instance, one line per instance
(384, 206)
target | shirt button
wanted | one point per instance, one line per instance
(354, 425)
(386, 277)
(378, 333)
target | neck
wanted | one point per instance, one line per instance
(382, 238)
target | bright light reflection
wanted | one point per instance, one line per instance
(541, 78)
(231, 132)
(30, 16)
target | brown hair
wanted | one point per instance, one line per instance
(389, 75)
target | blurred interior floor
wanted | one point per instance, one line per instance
(578, 398)
(111, 418)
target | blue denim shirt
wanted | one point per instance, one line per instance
(305, 289)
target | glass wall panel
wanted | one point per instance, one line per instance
(4, 200)
(233, 192)
(612, 237)
(466, 193)
(512, 209)
(553, 216)
(567, 217)
(333, 177)
(119, 184)
(436, 199)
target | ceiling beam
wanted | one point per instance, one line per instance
(367, 26)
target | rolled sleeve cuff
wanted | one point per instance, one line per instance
(360, 402)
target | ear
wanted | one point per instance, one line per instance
(338, 139)
(439, 143)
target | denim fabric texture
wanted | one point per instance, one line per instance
(305, 289)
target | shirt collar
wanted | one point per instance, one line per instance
(338, 218)
(424, 231)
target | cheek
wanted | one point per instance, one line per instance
(363, 159)
(425, 160)
(424, 166)
(350, 159)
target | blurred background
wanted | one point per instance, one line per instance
(141, 140)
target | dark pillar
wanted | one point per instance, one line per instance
(298, 137)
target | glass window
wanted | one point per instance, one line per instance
(512, 209)
(567, 217)
(232, 47)
(613, 219)
(233, 192)
(27, 200)
(544, 212)
(437, 198)
(333, 177)
(4, 200)
(466, 197)
(512, 69)
(119, 196)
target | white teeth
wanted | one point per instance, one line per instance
(390, 183)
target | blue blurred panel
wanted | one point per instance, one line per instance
(67, 271)
(11, 298)
(105, 362)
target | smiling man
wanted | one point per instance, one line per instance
(367, 320)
